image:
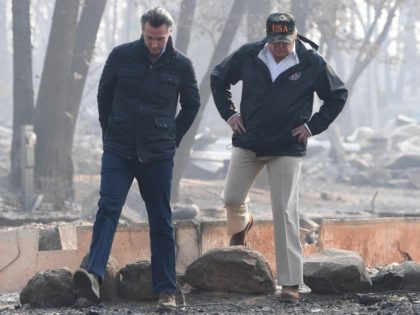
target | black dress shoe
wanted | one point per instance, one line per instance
(240, 237)
(87, 285)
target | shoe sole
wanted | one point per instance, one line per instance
(83, 284)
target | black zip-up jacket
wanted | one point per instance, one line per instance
(271, 110)
(137, 101)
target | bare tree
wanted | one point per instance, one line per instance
(23, 93)
(221, 50)
(50, 119)
(183, 36)
(86, 32)
(185, 21)
(370, 45)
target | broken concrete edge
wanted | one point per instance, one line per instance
(371, 221)
(131, 244)
(193, 238)
(379, 241)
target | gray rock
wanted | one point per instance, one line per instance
(335, 271)
(372, 176)
(411, 271)
(108, 289)
(360, 178)
(184, 212)
(233, 269)
(387, 279)
(405, 276)
(405, 161)
(136, 282)
(52, 288)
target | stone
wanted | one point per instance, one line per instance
(336, 271)
(184, 212)
(136, 282)
(411, 271)
(387, 279)
(108, 289)
(52, 288)
(405, 161)
(233, 269)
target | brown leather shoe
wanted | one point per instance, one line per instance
(290, 294)
(166, 302)
(239, 238)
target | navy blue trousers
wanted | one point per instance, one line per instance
(154, 181)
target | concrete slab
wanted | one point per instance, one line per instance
(18, 250)
(378, 241)
(131, 243)
(68, 236)
(56, 259)
(213, 235)
(187, 238)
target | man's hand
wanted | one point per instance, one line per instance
(302, 133)
(235, 122)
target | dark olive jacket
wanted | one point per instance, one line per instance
(137, 101)
(271, 110)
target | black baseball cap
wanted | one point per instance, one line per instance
(280, 27)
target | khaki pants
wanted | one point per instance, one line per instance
(284, 176)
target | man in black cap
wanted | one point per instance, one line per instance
(270, 129)
(137, 101)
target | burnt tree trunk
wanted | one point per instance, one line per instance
(221, 50)
(182, 42)
(51, 166)
(23, 93)
(185, 22)
(87, 29)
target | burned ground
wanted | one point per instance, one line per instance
(389, 303)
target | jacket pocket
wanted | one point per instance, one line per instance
(121, 128)
(162, 122)
(159, 129)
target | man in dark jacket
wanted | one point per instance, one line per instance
(280, 75)
(137, 101)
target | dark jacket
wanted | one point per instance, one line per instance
(137, 101)
(271, 110)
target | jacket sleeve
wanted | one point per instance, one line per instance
(106, 88)
(189, 99)
(225, 74)
(332, 91)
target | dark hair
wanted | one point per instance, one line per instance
(157, 17)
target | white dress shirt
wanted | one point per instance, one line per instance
(277, 68)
